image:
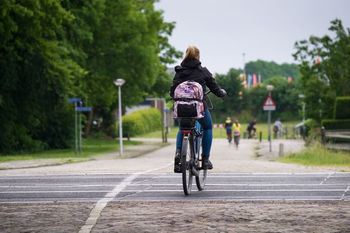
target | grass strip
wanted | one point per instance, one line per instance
(90, 147)
(317, 155)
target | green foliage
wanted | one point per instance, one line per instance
(312, 126)
(341, 108)
(52, 50)
(141, 122)
(285, 95)
(325, 65)
(35, 76)
(230, 105)
(270, 69)
(335, 124)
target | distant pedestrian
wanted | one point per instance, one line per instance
(236, 132)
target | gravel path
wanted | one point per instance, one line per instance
(225, 216)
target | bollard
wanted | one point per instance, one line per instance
(281, 152)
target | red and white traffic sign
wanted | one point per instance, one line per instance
(269, 104)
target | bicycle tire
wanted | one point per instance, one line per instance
(187, 175)
(202, 173)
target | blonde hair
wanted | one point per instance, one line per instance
(192, 52)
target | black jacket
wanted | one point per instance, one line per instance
(192, 70)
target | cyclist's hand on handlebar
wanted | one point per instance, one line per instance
(223, 93)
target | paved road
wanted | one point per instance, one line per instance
(116, 195)
(162, 186)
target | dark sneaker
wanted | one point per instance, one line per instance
(177, 160)
(207, 164)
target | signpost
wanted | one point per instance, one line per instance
(269, 105)
(78, 110)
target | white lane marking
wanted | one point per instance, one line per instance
(240, 190)
(171, 190)
(325, 179)
(160, 184)
(343, 196)
(240, 184)
(161, 175)
(101, 204)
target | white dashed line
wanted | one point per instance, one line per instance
(101, 204)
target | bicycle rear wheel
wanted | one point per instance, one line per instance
(202, 173)
(187, 175)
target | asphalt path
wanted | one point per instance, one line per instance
(168, 187)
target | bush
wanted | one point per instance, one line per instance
(141, 122)
(341, 108)
(330, 124)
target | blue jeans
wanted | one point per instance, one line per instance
(207, 139)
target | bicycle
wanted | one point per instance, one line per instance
(191, 161)
(229, 136)
(191, 157)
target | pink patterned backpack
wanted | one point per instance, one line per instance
(188, 97)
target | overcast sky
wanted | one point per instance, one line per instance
(262, 29)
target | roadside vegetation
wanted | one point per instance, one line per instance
(90, 147)
(317, 155)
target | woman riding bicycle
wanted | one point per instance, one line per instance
(191, 69)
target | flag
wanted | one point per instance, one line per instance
(259, 78)
(255, 81)
(250, 80)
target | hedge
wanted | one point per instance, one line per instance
(341, 108)
(141, 122)
(336, 124)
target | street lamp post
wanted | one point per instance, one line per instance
(269, 88)
(119, 82)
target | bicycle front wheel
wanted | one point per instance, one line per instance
(187, 175)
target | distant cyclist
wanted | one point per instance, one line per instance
(228, 127)
(191, 69)
(252, 128)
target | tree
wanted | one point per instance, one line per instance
(231, 104)
(129, 41)
(36, 73)
(52, 50)
(270, 69)
(325, 65)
